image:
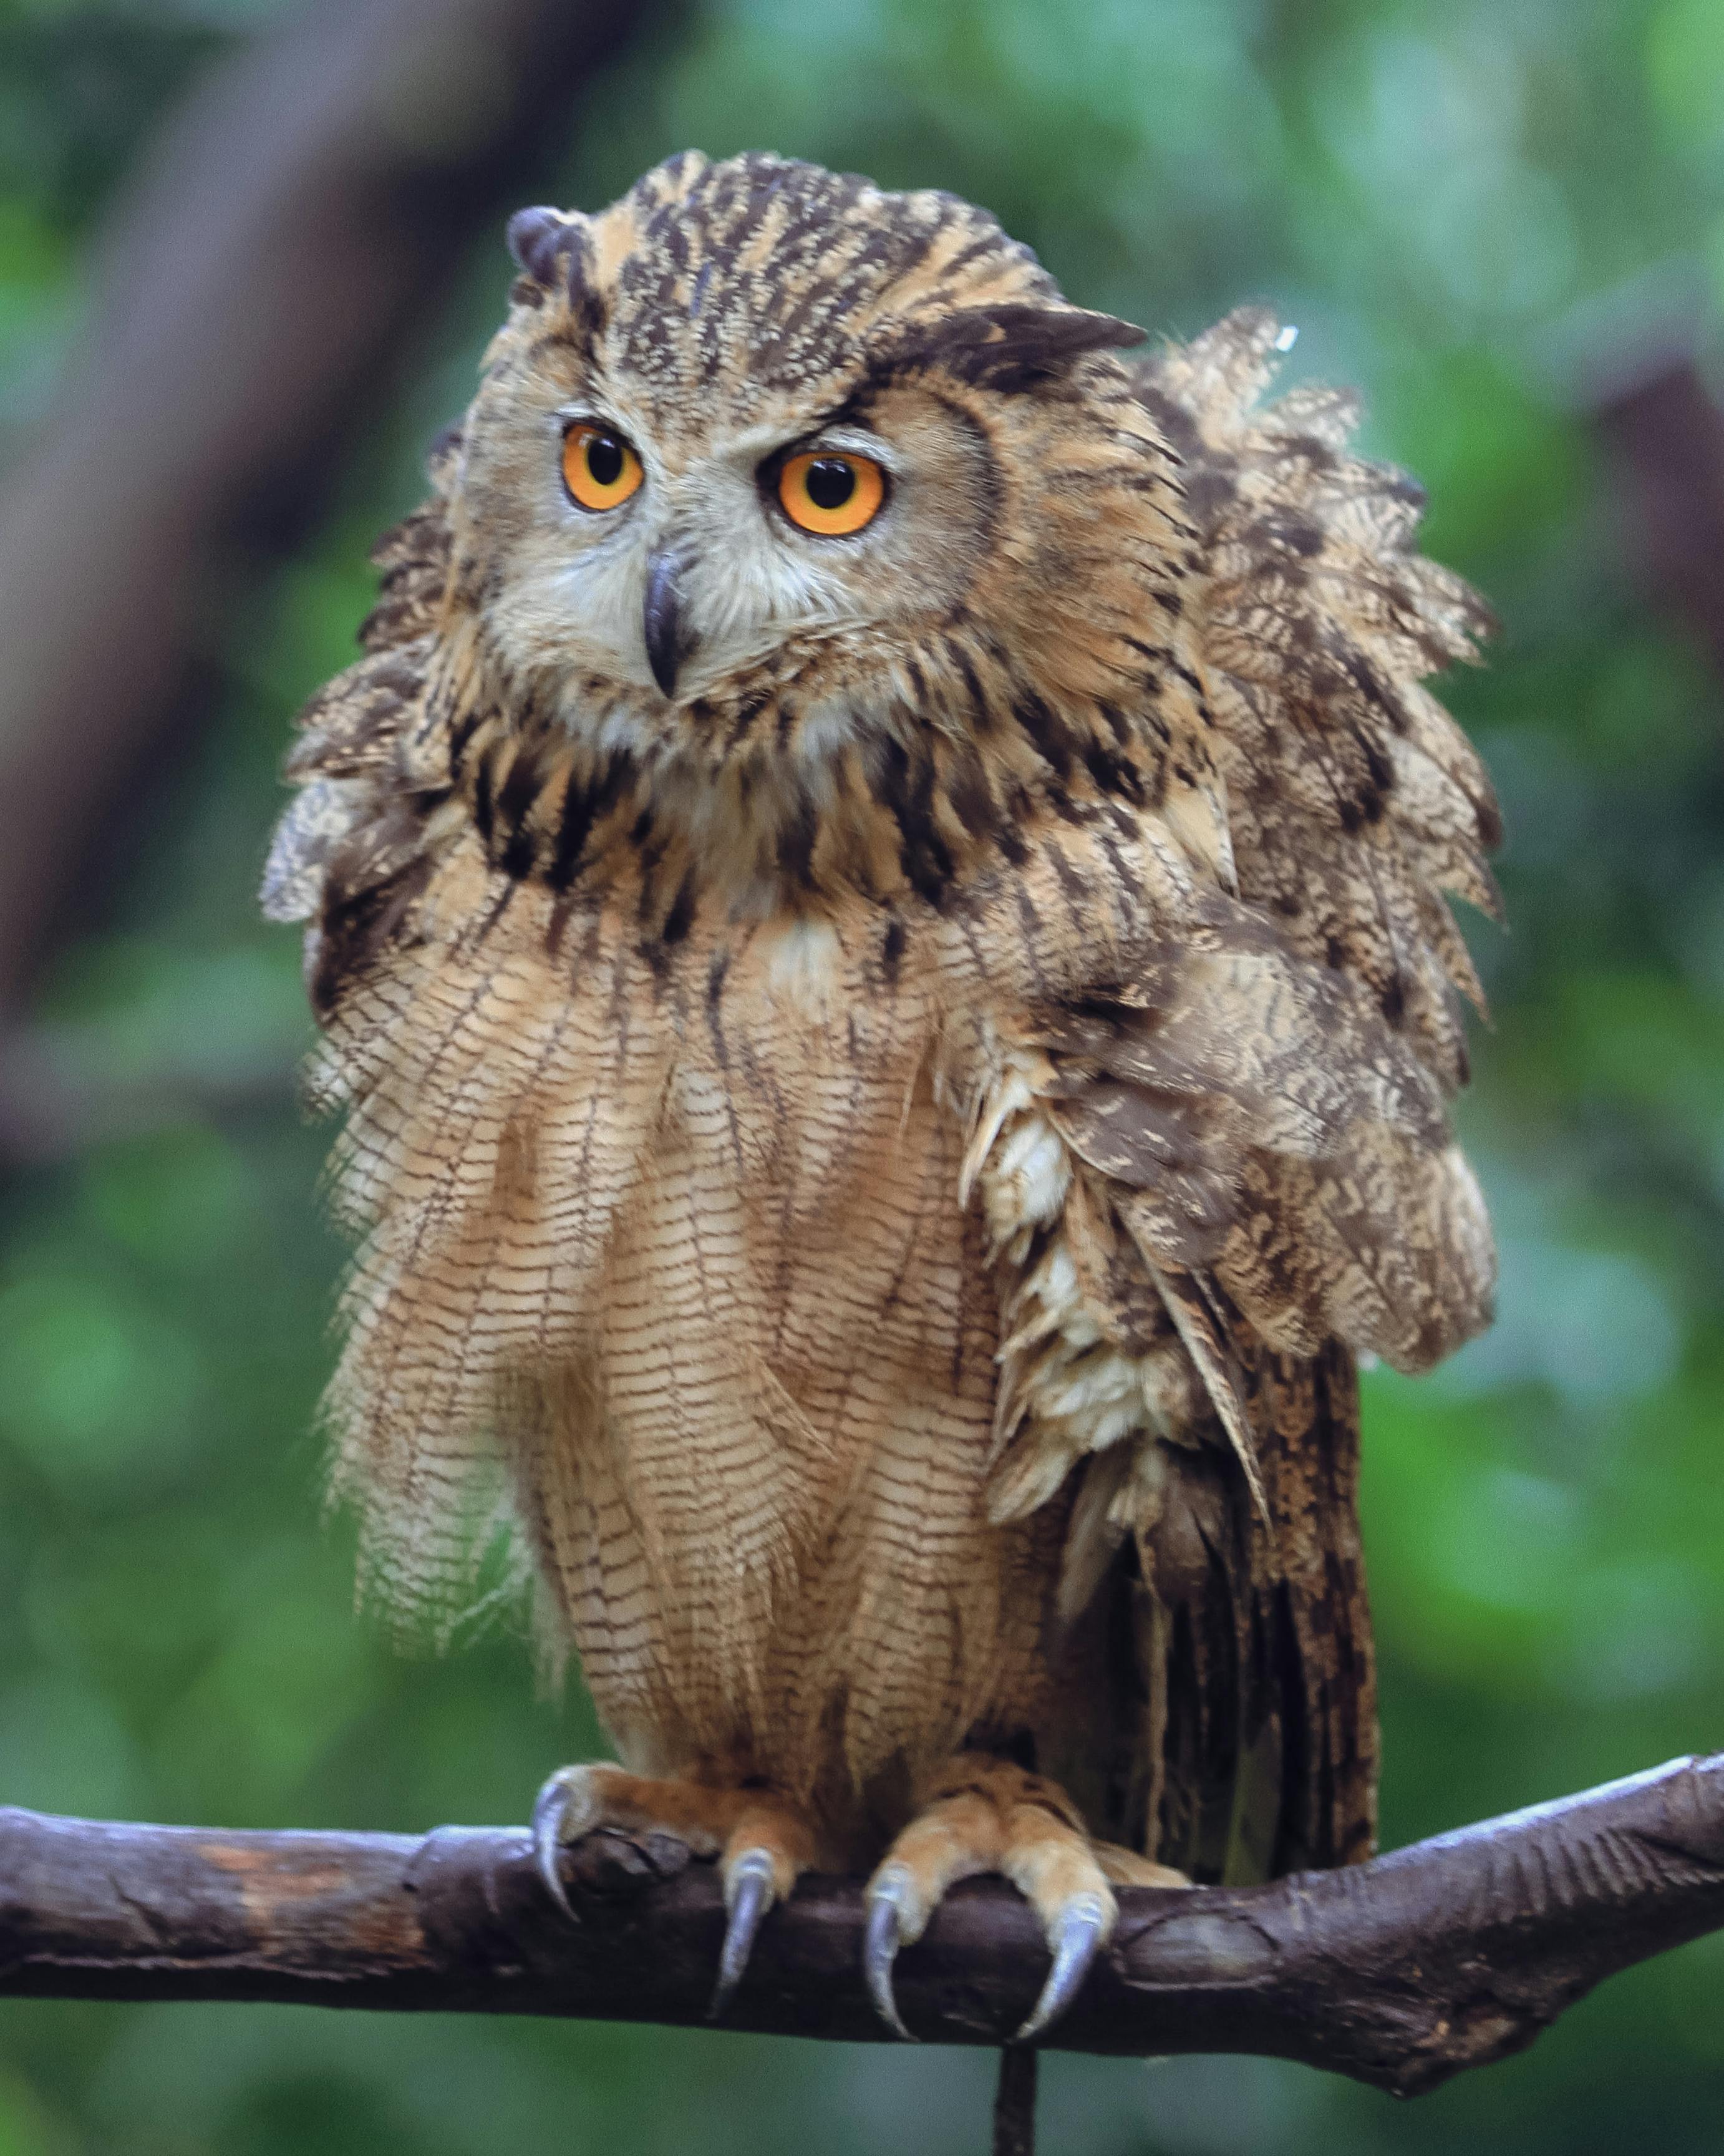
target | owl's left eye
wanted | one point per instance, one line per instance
(599, 469)
(831, 492)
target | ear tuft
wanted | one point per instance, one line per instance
(1013, 349)
(538, 238)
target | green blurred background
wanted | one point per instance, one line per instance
(1474, 210)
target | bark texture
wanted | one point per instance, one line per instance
(1400, 1973)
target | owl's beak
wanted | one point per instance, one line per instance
(668, 642)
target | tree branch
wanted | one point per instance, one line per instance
(1401, 1973)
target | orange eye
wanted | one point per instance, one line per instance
(831, 492)
(599, 469)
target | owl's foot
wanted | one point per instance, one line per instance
(984, 1814)
(761, 1840)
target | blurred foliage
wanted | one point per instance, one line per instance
(1462, 204)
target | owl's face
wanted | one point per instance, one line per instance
(757, 437)
(675, 548)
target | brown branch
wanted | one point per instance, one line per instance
(1446, 1955)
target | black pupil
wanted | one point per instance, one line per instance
(831, 482)
(604, 458)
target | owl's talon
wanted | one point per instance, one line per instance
(980, 1814)
(749, 1892)
(880, 1947)
(1078, 1936)
(559, 1803)
(765, 1842)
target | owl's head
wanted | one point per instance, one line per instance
(770, 468)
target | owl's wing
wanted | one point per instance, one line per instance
(1255, 1132)
(1258, 1182)
(1220, 1707)
(356, 856)
(1354, 801)
(349, 823)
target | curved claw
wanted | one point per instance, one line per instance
(551, 1809)
(750, 1892)
(880, 1950)
(1077, 1941)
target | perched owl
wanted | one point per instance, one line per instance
(877, 908)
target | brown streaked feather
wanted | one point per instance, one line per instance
(1262, 1102)
(1272, 1126)
(881, 1167)
(351, 732)
(1242, 1653)
(1353, 798)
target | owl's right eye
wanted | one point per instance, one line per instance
(599, 468)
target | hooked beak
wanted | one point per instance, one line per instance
(668, 643)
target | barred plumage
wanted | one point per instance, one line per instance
(881, 1160)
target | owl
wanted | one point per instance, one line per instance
(877, 908)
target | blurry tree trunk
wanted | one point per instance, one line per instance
(1665, 434)
(293, 230)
